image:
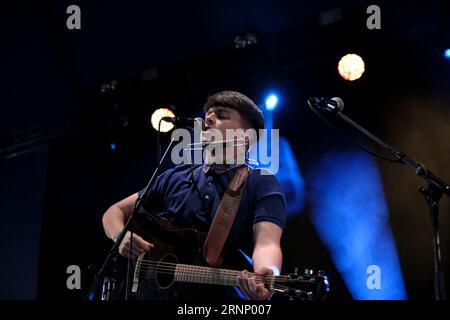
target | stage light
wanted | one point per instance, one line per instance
(351, 67)
(113, 146)
(156, 117)
(271, 102)
(351, 215)
(447, 54)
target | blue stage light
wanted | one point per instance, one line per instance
(271, 102)
(351, 215)
(447, 54)
(113, 146)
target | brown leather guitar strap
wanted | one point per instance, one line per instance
(224, 218)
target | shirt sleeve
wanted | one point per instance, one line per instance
(154, 199)
(270, 201)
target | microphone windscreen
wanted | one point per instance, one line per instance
(340, 103)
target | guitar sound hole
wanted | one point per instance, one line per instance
(165, 271)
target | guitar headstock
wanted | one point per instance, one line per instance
(307, 285)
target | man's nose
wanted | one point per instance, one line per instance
(210, 120)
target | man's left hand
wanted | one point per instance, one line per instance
(255, 290)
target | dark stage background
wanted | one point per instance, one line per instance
(59, 116)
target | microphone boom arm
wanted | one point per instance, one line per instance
(400, 156)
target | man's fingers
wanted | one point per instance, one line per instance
(148, 245)
(135, 253)
(125, 252)
(244, 287)
(261, 290)
(139, 247)
(142, 243)
(244, 284)
(252, 288)
(252, 284)
(139, 243)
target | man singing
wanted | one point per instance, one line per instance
(189, 196)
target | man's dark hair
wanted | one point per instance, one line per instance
(243, 104)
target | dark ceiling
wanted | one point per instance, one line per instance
(51, 71)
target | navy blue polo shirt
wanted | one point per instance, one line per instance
(189, 196)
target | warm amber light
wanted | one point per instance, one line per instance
(157, 115)
(351, 67)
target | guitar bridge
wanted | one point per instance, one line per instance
(137, 269)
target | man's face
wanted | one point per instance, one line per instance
(222, 118)
(220, 125)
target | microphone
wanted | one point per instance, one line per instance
(184, 122)
(335, 104)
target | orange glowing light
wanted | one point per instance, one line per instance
(351, 67)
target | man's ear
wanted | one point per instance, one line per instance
(250, 139)
(247, 142)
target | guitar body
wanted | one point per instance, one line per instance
(153, 278)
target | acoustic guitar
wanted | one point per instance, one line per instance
(175, 270)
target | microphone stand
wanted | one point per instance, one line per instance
(115, 248)
(432, 195)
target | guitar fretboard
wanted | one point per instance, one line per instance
(205, 275)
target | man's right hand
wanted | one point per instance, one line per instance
(139, 246)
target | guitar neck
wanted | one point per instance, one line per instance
(206, 275)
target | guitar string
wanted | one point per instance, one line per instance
(169, 265)
(193, 271)
(199, 275)
(224, 280)
(196, 269)
(224, 274)
(200, 269)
